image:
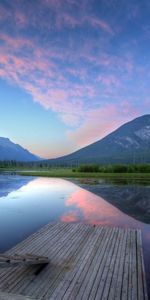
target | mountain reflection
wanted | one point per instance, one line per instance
(94, 209)
(30, 203)
(132, 199)
(9, 183)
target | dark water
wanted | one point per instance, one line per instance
(28, 203)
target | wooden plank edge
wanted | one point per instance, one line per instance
(139, 238)
(10, 296)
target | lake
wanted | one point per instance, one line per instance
(28, 203)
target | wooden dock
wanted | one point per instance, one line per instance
(86, 262)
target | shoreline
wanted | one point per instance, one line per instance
(68, 173)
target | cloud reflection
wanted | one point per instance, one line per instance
(95, 210)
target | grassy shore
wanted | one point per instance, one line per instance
(68, 173)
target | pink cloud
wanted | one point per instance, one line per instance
(36, 74)
(81, 80)
(82, 73)
(56, 3)
(109, 80)
(99, 122)
(71, 118)
(111, 62)
(21, 19)
(15, 43)
(5, 14)
(98, 23)
(64, 19)
(68, 19)
(128, 108)
(39, 76)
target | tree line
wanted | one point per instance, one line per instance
(114, 168)
(20, 164)
(85, 168)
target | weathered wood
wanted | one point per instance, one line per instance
(20, 285)
(75, 251)
(86, 277)
(142, 291)
(69, 282)
(124, 292)
(87, 284)
(38, 248)
(86, 262)
(33, 245)
(8, 296)
(64, 254)
(111, 268)
(8, 261)
(104, 268)
(113, 284)
(29, 283)
(118, 289)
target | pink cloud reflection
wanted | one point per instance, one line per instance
(95, 210)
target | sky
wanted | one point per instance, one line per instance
(71, 71)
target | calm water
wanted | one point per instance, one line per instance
(28, 203)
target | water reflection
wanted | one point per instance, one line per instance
(31, 206)
(10, 183)
(132, 199)
(26, 204)
(92, 209)
(29, 203)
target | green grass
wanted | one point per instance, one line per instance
(68, 173)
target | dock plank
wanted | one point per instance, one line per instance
(23, 285)
(114, 279)
(142, 290)
(86, 262)
(72, 279)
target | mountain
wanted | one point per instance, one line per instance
(130, 143)
(11, 151)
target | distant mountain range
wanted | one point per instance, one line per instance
(130, 143)
(11, 151)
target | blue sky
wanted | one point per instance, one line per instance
(71, 71)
